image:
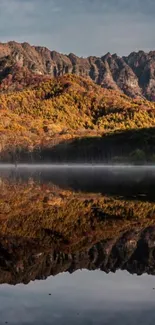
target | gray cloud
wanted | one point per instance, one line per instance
(85, 26)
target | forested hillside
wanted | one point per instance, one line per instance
(65, 108)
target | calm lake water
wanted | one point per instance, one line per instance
(77, 245)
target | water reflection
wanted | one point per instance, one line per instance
(57, 222)
(114, 180)
(83, 298)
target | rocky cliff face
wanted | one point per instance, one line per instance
(134, 74)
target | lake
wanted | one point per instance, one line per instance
(77, 244)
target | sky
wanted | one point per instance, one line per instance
(83, 27)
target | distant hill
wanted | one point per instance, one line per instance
(22, 65)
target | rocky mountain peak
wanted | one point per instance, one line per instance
(133, 74)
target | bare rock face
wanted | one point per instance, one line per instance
(134, 74)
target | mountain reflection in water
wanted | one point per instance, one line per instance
(55, 222)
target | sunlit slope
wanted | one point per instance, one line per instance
(65, 108)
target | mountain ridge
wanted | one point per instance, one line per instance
(133, 74)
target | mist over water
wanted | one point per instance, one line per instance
(108, 179)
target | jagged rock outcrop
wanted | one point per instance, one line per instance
(134, 74)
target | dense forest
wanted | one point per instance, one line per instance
(34, 121)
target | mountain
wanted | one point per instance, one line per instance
(48, 99)
(22, 64)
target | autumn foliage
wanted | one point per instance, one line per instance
(67, 107)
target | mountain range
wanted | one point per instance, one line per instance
(23, 64)
(56, 107)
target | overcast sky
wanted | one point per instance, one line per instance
(85, 27)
